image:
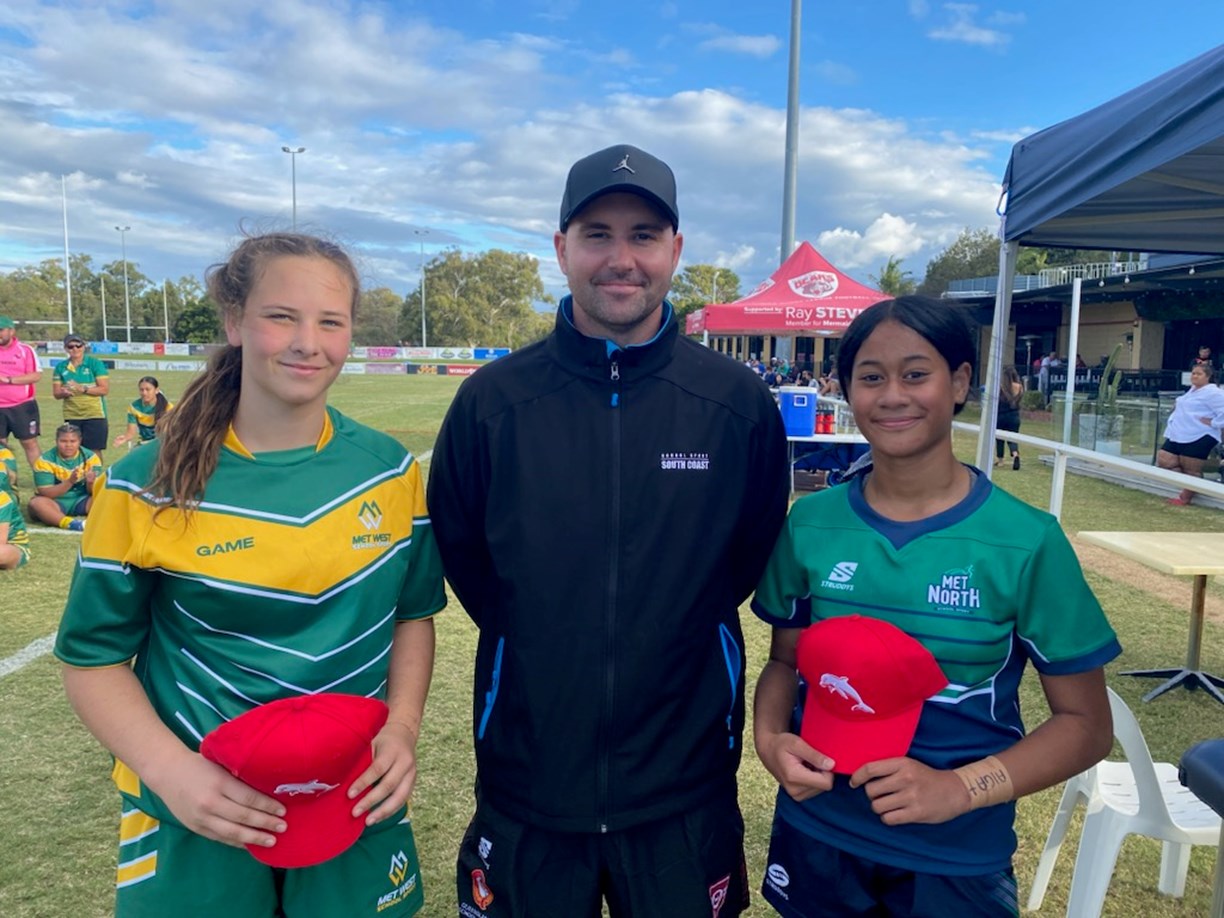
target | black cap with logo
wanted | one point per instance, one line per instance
(620, 168)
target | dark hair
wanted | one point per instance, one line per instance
(67, 428)
(162, 404)
(944, 327)
(1007, 387)
(191, 435)
(1207, 367)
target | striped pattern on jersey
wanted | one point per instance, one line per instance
(52, 468)
(145, 418)
(287, 580)
(8, 469)
(10, 512)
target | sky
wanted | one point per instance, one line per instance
(432, 125)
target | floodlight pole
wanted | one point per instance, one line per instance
(422, 233)
(293, 155)
(127, 301)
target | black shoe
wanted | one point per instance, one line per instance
(1016, 463)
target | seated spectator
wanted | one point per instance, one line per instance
(8, 462)
(63, 481)
(805, 379)
(14, 540)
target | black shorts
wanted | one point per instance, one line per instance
(686, 866)
(806, 878)
(1199, 449)
(22, 421)
(94, 433)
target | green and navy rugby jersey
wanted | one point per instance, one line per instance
(287, 580)
(52, 468)
(986, 586)
(10, 512)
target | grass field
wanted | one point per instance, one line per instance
(58, 809)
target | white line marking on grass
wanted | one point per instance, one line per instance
(425, 456)
(27, 654)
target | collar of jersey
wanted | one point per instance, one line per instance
(234, 445)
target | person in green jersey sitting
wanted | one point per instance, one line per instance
(82, 382)
(144, 413)
(960, 571)
(14, 541)
(263, 547)
(63, 481)
(8, 460)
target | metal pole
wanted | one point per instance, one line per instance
(165, 310)
(102, 286)
(422, 233)
(790, 181)
(67, 263)
(293, 152)
(127, 301)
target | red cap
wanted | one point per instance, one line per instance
(867, 681)
(306, 752)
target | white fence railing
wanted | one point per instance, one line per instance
(1064, 451)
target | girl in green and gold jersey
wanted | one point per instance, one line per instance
(263, 547)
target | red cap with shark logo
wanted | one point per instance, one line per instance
(867, 680)
(306, 752)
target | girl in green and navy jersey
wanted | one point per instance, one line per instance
(144, 413)
(987, 584)
(263, 547)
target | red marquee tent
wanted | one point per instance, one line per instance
(805, 296)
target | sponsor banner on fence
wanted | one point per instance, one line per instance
(385, 369)
(190, 366)
(176, 350)
(97, 347)
(353, 368)
(139, 347)
(454, 353)
(490, 353)
(135, 364)
(423, 369)
(458, 369)
(421, 353)
(384, 353)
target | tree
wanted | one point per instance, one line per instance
(484, 298)
(698, 285)
(197, 324)
(975, 253)
(892, 280)
(378, 317)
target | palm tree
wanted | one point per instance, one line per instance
(892, 280)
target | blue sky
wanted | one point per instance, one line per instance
(461, 119)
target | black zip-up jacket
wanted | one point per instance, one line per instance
(601, 515)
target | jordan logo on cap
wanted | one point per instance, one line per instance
(624, 164)
(840, 685)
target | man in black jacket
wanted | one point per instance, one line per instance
(604, 500)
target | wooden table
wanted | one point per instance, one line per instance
(1188, 554)
(831, 438)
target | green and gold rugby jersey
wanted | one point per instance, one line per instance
(82, 407)
(52, 468)
(144, 417)
(10, 513)
(987, 586)
(287, 580)
(8, 469)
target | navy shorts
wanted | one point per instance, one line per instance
(1199, 449)
(94, 433)
(22, 421)
(690, 865)
(805, 878)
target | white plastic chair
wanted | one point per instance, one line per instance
(1135, 797)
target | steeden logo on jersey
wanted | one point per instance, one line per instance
(370, 516)
(840, 576)
(954, 592)
(684, 462)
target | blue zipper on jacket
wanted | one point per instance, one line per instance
(609, 674)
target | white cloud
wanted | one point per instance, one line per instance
(750, 45)
(886, 237)
(960, 27)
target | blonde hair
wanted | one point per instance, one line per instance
(191, 435)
